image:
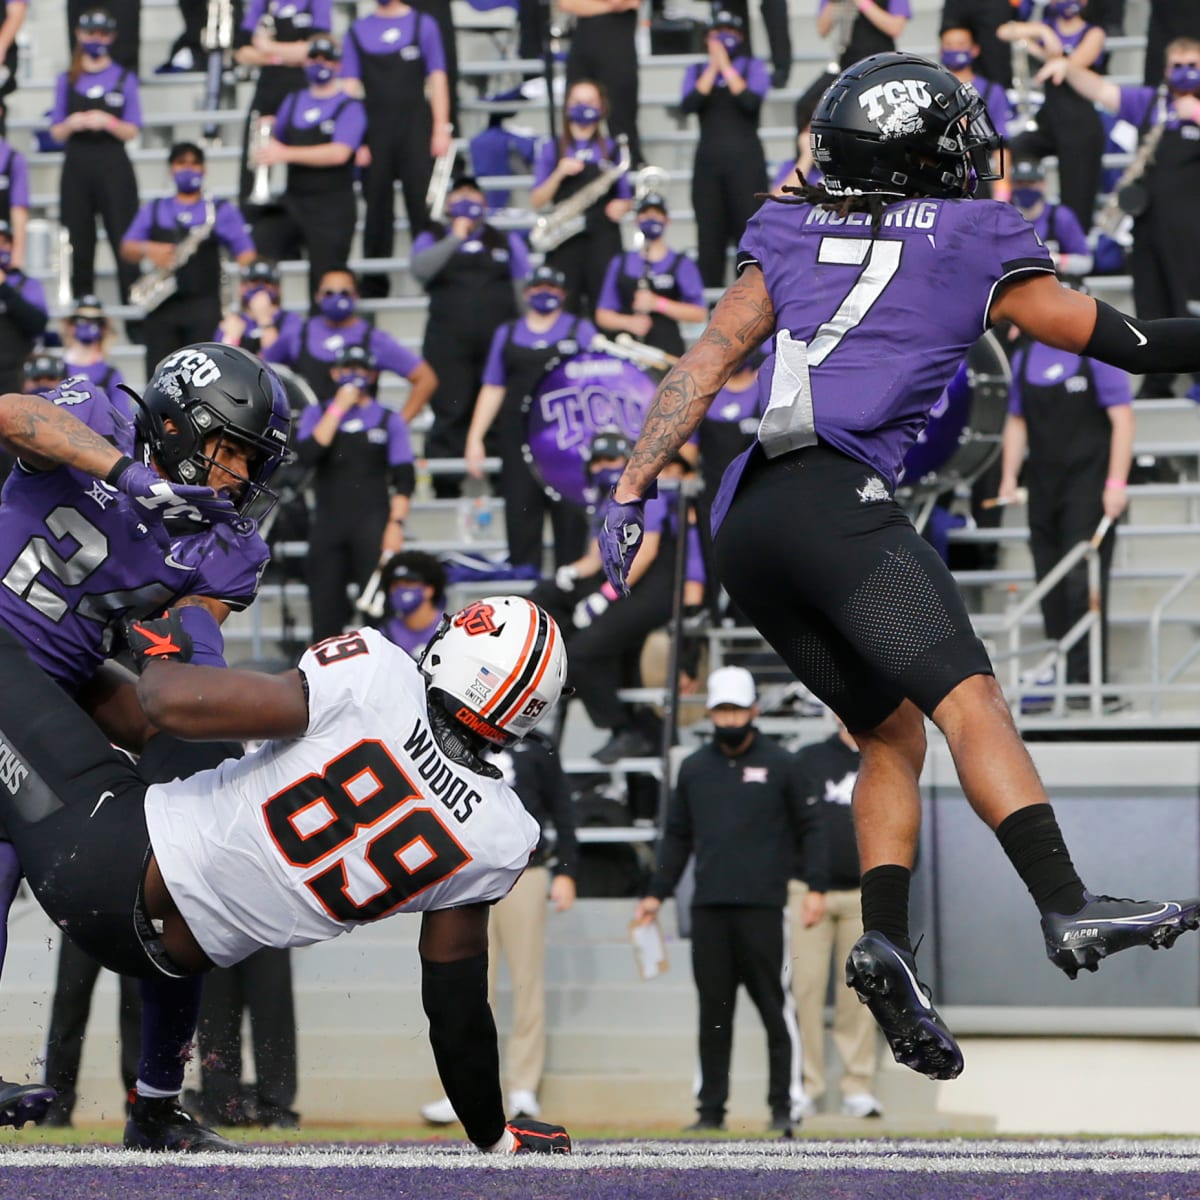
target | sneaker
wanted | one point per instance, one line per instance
(861, 1105)
(885, 979)
(626, 743)
(21, 1102)
(163, 1124)
(523, 1104)
(805, 1107)
(1106, 924)
(706, 1125)
(440, 1112)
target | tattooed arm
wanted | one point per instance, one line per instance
(43, 435)
(743, 319)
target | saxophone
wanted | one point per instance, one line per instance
(439, 180)
(161, 283)
(1128, 198)
(568, 218)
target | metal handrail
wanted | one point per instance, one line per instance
(1156, 620)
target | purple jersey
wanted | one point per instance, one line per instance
(77, 556)
(108, 379)
(15, 176)
(869, 331)
(411, 641)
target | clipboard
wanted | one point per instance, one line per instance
(649, 949)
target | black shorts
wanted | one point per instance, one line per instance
(826, 564)
(74, 808)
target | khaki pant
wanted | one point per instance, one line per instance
(517, 929)
(813, 951)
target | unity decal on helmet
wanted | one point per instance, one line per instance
(895, 106)
(189, 366)
(476, 619)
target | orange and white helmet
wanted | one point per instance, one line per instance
(499, 665)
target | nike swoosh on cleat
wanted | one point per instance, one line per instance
(1168, 909)
(1142, 339)
(103, 796)
(916, 987)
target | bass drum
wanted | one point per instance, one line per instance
(965, 430)
(576, 398)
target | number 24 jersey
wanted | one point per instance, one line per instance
(360, 818)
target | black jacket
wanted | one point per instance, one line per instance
(827, 772)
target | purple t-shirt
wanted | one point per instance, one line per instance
(394, 35)
(1046, 367)
(603, 153)
(1063, 230)
(101, 374)
(686, 274)
(517, 250)
(522, 335)
(868, 332)
(1136, 103)
(302, 111)
(77, 556)
(1071, 40)
(95, 84)
(752, 70)
(307, 16)
(411, 641)
(324, 341)
(229, 228)
(898, 8)
(15, 166)
(660, 519)
(30, 290)
(369, 416)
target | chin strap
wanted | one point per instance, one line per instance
(459, 744)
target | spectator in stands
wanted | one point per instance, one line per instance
(779, 35)
(96, 111)
(256, 323)
(517, 359)
(128, 17)
(1165, 261)
(1066, 124)
(603, 53)
(14, 195)
(274, 38)
(41, 372)
(1074, 416)
(728, 428)
(517, 924)
(472, 273)
(984, 18)
(1169, 19)
(444, 16)
(959, 55)
(730, 169)
(23, 315)
(874, 29)
(824, 903)
(74, 983)
(310, 344)
(193, 310)
(363, 478)
(414, 590)
(87, 335)
(737, 806)
(647, 292)
(1056, 225)
(394, 56)
(316, 133)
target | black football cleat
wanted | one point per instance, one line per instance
(1105, 924)
(885, 979)
(162, 1124)
(21, 1102)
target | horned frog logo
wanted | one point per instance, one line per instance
(895, 107)
(190, 367)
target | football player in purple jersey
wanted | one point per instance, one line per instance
(103, 521)
(866, 293)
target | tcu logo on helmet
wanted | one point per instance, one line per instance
(476, 619)
(896, 106)
(190, 366)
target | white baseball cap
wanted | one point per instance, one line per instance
(731, 685)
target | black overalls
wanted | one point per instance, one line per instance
(660, 278)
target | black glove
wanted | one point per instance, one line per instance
(536, 1137)
(157, 640)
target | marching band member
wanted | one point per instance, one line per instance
(22, 314)
(86, 334)
(255, 326)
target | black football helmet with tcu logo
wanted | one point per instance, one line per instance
(900, 125)
(206, 389)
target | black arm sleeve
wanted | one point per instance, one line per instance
(31, 319)
(810, 824)
(402, 479)
(1144, 347)
(676, 845)
(462, 1033)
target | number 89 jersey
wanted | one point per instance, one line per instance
(360, 818)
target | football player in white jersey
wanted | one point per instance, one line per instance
(368, 798)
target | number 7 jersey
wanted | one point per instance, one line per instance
(360, 818)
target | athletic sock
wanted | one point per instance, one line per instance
(1034, 843)
(885, 904)
(170, 1010)
(10, 880)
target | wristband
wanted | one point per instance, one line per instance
(660, 305)
(1116, 483)
(608, 591)
(119, 468)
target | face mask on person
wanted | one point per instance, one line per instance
(583, 114)
(93, 48)
(957, 60)
(1063, 9)
(87, 333)
(318, 72)
(407, 598)
(336, 306)
(1184, 78)
(545, 301)
(731, 736)
(5, 259)
(355, 379)
(471, 209)
(605, 479)
(249, 294)
(652, 228)
(1026, 197)
(188, 179)
(731, 41)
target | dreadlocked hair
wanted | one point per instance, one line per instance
(810, 193)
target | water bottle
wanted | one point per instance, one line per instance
(483, 519)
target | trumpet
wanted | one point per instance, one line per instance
(263, 192)
(844, 16)
(1025, 101)
(439, 180)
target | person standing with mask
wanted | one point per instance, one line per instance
(255, 324)
(1056, 224)
(738, 807)
(959, 55)
(23, 315)
(14, 197)
(414, 584)
(472, 273)
(86, 333)
(876, 27)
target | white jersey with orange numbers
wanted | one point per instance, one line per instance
(361, 818)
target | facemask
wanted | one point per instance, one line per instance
(583, 114)
(318, 72)
(355, 379)
(1184, 78)
(471, 209)
(957, 60)
(731, 735)
(336, 306)
(5, 259)
(652, 228)
(1063, 9)
(605, 479)
(87, 333)
(94, 49)
(188, 179)
(406, 599)
(545, 302)
(1025, 197)
(250, 293)
(731, 41)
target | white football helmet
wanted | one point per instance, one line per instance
(500, 666)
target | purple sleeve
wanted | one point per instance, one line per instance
(758, 78)
(624, 185)
(58, 113)
(391, 356)
(899, 8)
(493, 370)
(752, 247)
(142, 223)
(33, 292)
(231, 572)
(322, 16)
(656, 514)
(1015, 399)
(231, 229)
(18, 177)
(1013, 247)
(429, 37)
(1135, 104)
(350, 67)
(87, 403)
(283, 129)
(350, 128)
(286, 347)
(421, 243)
(585, 331)
(1112, 384)
(253, 14)
(695, 557)
(132, 112)
(399, 446)
(687, 275)
(518, 260)
(609, 297)
(308, 421)
(689, 80)
(1070, 235)
(545, 162)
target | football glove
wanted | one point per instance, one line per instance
(565, 577)
(536, 1137)
(160, 497)
(619, 536)
(162, 639)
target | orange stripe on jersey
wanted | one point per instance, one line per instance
(515, 673)
(547, 654)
